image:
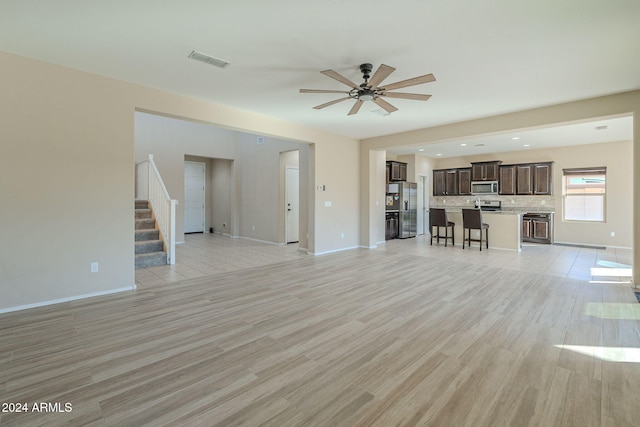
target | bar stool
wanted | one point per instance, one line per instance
(438, 218)
(472, 220)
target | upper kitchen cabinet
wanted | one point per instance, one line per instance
(439, 182)
(526, 179)
(445, 182)
(485, 171)
(542, 178)
(396, 171)
(464, 181)
(507, 179)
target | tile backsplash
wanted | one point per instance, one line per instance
(508, 202)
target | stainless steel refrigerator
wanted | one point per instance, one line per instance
(404, 196)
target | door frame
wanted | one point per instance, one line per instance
(286, 191)
(426, 194)
(204, 197)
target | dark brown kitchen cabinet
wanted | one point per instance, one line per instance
(439, 182)
(464, 181)
(397, 171)
(542, 174)
(485, 171)
(445, 182)
(507, 180)
(534, 178)
(451, 182)
(537, 228)
(524, 180)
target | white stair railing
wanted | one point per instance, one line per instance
(149, 186)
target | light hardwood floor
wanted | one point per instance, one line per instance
(407, 334)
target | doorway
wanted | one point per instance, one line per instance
(424, 207)
(194, 188)
(292, 204)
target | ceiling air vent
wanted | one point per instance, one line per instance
(198, 56)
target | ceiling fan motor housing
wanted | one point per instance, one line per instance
(366, 71)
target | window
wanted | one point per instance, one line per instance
(583, 194)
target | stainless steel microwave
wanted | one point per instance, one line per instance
(484, 187)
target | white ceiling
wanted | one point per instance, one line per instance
(489, 57)
(604, 130)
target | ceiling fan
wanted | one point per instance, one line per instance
(371, 90)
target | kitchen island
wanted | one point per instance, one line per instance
(505, 228)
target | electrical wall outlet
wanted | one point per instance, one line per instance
(94, 267)
(613, 234)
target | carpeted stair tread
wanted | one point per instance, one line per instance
(149, 234)
(145, 224)
(148, 246)
(141, 204)
(151, 259)
(143, 213)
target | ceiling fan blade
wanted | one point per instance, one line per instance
(381, 73)
(340, 78)
(400, 95)
(326, 104)
(427, 78)
(356, 107)
(321, 91)
(385, 105)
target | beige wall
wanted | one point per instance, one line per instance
(616, 156)
(221, 195)
(261, 195)
(340, 176)
(67, 178)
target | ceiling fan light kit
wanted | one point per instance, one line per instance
(371, 89)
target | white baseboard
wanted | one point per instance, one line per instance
(334, 251)
(262, 241)
(67, 299)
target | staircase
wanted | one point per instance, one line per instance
(149, 246)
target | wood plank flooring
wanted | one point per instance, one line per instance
(407, 335)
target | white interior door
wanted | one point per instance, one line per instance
(292, 204)
(194, 177)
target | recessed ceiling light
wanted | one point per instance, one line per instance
(515, 138)
(438, 155)
(527, 145)
(463, 145)
(421, 149)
